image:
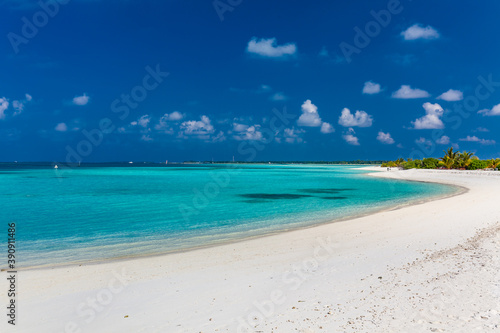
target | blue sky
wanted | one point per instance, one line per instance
(96, 80)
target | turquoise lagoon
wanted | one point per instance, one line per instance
(101, 212)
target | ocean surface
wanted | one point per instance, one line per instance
(99, 212)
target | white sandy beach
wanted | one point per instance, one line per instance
(431, 267)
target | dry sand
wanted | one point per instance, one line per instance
(431, 267)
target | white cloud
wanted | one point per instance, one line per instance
(219, 137)
(385, 138)
(174, 116)
(309, 116)
(495, 111)
(432, 118)
(4, 105)
(359, 118)
(476, 139)
(61, 127)
(327, 128)
(482, 129)
(250, 133)
(146, 138)
(423, 141)
(371, 88)
(444, 140)
(198, 127)
(240, 127)
(81, 100)
(417, 31)
(292, 135)
(143, 121)
(351, 139)
(451, 95)
(269, 48)
(279, 96)
(407, 92)
(18, 106)
(166, 119)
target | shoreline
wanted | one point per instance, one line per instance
(231, 240)
(376, 273)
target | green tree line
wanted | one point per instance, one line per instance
(451, 160)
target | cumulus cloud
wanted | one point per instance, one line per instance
(81, 100)
(61, 127)
(237, 127)
(309, 116)
(371, 88)
(417, 31)
(444, 140)
(269, 48)
(166, 119)
(248, 133)
(143, 121)
(17, 105)
(174, 116)
(359, 119)
(476, 139)
(327, 128)
(292, 135)
(495, 111)
(385, 138)
(407, 92)
(351, 139)
(198, 127)
(432, 118)
(4, 105)
(451, 95)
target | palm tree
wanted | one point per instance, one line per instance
(450, 153)
(447, 162)
(494, 163)
(449, 159)
(465, 159)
